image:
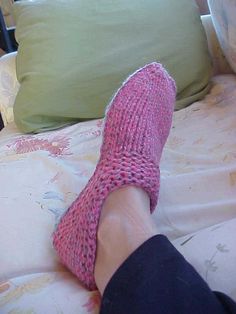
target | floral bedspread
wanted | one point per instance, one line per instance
(42, 174)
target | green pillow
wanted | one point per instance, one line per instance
(74, 54)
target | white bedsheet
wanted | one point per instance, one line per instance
(42, 174)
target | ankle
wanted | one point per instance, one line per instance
(125, 224)
(128, 211)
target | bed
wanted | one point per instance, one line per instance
(42, 174)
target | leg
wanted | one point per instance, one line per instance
(125, 224)
(107, 237)
(138, 271)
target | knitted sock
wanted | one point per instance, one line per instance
(137, 125)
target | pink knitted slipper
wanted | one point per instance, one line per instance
(137, 124)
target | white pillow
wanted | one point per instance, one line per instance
(224, 19)
(8, 86)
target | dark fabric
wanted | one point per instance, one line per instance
(156, 279)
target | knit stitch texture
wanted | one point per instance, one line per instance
(137, 124)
